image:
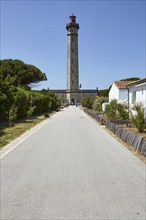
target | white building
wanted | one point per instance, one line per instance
(137, 92)
(119, 91)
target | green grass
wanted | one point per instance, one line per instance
(7, 134)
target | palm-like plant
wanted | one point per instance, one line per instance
(138, 117)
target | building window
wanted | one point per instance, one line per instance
(133, 97)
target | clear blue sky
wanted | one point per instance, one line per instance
(111, 39)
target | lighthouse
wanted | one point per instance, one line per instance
(73, 93)
(72, 61)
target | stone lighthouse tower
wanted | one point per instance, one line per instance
(72, 61)
(73, 94)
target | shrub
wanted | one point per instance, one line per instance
(87, 102)
(12, 114)
(21, 102)
(116, 112)
(54, 102)
(97, 103)
(138, 117)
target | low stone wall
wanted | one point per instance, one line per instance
(76, 95)
(136, 141)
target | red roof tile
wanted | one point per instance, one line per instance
(136, 82)
(122, 84)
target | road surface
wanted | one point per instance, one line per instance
(72, 169)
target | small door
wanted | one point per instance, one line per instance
(72, 102)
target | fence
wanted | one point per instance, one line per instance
(136, 141)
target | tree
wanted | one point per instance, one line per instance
(22, 74)
(8, 92)
(103, 93)
(22, 103)
(32, 106)
(16, 99)
(12, 114)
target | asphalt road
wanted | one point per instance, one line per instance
(72, 169)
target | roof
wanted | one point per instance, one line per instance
(136, 82)
(121, 84)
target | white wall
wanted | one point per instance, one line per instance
(131, 92)
(141, 95)
(119, 94)
(123, 94)
(114, 92)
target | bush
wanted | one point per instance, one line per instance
(87, 102)
(22, 103)
(116, 112)
(18, 103)
(54, 102)
(97, 103)
(138, 117)
(12, 114)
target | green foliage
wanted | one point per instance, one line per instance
(8, 93)
(21, 102)
(16, 99)
(111, 110)
(31, 100)
(3, 98)
(131, 79)
(122, 109)
(55, 102)
(21, 73)
(42, 102)
(97, 107)
(87, 102)
(97, 103)
(12, 114)
(30, 111)
(116, 112)
(138, 117)
(103, 93)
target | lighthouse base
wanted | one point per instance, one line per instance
(74, 97)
